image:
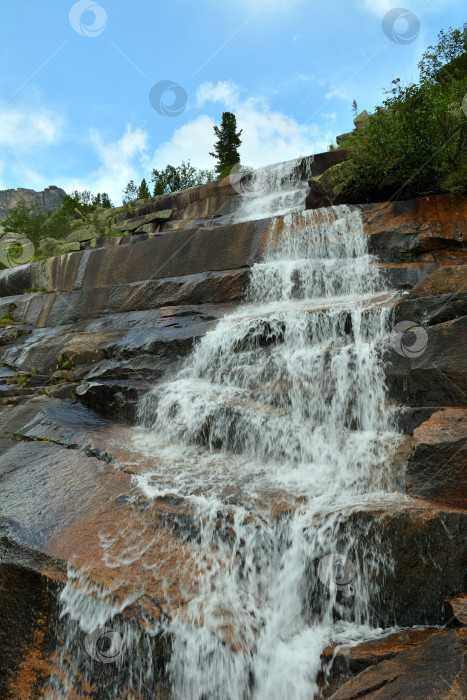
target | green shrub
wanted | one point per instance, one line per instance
(416, 143)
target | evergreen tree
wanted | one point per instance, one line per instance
(228, 141)
(158, 186)
(97, 200)
(143, 190)
(106, 201)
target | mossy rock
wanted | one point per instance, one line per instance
(67, 248)
(85, 233)
(77, 223)
(344, 138)
(48, 246)
(327, 189)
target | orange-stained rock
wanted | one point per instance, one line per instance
(437, 468)
(436, 669)
(456, 610)
(345, 661)
(448, 279)
(439, 217)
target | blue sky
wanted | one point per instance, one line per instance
(74, 89)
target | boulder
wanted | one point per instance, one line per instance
(78, 214)
(422, 546)
(402, 230)
(429, 311)
(48, 246)
(342, 138)
(326, 189)
(440, 297)
(436, 669)
(361, 120)
(437, 467)
(82, 233)
(147, 228)
(69, 247)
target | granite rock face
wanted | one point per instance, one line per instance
(48, 199)
(108, 322)
(436, 669)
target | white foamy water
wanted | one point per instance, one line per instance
(278, 422)
(277, 434)
(272, 191)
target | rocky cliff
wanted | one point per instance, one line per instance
(102, 325)
(49, 198)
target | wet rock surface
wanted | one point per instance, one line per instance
(113, 322)
(437, 468)
(435, 669)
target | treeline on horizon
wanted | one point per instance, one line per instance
(415, 141)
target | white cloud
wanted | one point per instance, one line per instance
(223, 91)
(379, 7)
(23, 130)
(192, 141)
(268, 136)
(121, 160)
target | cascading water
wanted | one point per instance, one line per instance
(287, 398)
(275, 433)
(273, 190)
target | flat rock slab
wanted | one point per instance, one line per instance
(436, 669)
(61, 308)
(134, 222)
(352, 660)
(446, 280)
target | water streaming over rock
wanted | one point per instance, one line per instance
(272, 190)
(289, 390)
(277, 435)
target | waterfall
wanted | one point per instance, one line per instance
(276, 433)
(271, 191)
(278, 425)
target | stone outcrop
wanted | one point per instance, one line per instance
(437, 469)
(436, 668)
(103, 324)
(48, 199)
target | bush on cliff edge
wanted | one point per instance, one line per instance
(416, 143)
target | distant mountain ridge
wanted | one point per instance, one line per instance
(49, 198)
